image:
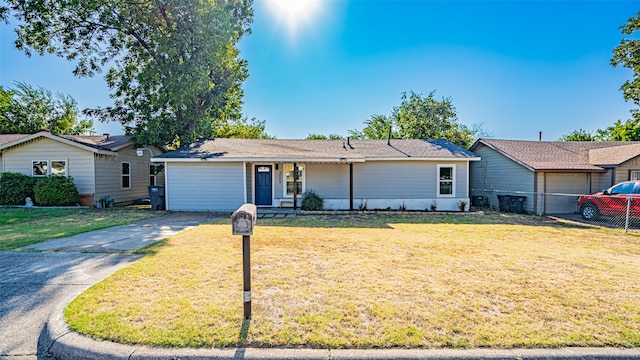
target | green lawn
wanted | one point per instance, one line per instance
(377, 281)
(21, 227)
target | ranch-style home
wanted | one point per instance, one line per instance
(102, 167)
(551, 174)
(223, 174)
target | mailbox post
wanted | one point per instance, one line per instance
(242, 222)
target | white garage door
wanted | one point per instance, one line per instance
(564, 183)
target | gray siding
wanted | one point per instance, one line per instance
(558, 188)
(204, 186)
(601, 181)
(622, 171)
(495, 172)
(79, 162)
(109, 176)
(249, 175)
(331, 181)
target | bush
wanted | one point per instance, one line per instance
(311, 201)
(56, 191)
(15, 188)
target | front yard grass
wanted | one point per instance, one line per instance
(377, 281)
(22, 227)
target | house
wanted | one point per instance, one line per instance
(101, 166)
(222, 174)
(551, 174)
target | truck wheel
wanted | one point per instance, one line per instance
(589, 211)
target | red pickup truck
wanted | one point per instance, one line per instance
(612, 201)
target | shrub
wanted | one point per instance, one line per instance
(462, 205)
(15, 188)
(311, 201)
(56, 191)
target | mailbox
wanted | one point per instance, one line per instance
(243, 220)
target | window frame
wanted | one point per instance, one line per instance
(46, 172)
(631, 172)
(302, 180)
(50, 167)
(440, 181)
(152, 175)
(122, 175)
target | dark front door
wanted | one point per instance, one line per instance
(263, 184)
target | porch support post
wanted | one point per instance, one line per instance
(351, 186)
(295, 186)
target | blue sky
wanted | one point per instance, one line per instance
(517, 67)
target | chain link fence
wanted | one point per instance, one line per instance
(614, 211)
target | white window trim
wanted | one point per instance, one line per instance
(453, 180)
(123, 175)
(284, 179)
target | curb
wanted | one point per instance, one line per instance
(59, 342)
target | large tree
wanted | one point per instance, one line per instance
(27, 110)
(627, 54)
(173, 65)
(419, 117)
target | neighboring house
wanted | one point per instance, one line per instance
(553, 168)
(101, 166)
(222, 174)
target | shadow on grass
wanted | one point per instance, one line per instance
(384, 221)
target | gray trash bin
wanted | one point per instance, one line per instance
(156, 196)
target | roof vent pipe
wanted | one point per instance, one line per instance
(389, 137)
(540, 136)
(348, 141)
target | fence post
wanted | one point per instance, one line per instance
(626, 223)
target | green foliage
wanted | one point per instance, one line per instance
(324, 137)
(627, 131)
(28, 109)
(627, 55)
(56, 191)
(578, 135)
(419, 117)
(241, 128)
(462, 205)
(15, 188)
(619, 131)
(311, 201)
(176, 74)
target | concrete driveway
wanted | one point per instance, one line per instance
(33, 284)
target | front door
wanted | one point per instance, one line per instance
(263, 186)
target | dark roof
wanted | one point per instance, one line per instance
(99, 142)
(106, 142)
(563, 155)
(319, 150)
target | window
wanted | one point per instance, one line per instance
(154, 170)
(624, 188)
(46, 167)
(634, 175)
(58, 167)
(40, 167)
(126, 175)
(288, 171)
(446, 180)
